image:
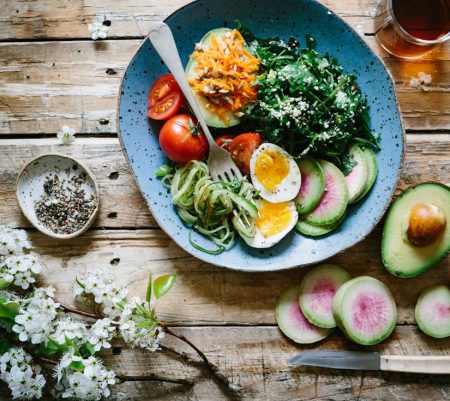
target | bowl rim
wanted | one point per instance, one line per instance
(291, 265)
(38, 226)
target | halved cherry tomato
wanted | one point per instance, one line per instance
(167, 107)
(162, 87)
(181, 140)
(224, 141)
(242, 148)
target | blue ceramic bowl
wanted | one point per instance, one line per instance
(265, 18)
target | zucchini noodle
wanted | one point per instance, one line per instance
(215, 209)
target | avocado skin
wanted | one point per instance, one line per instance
(385, 241)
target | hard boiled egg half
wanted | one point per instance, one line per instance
(274, 221)
(274, 173)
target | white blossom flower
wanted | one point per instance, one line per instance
(414, 83)
(421, 81)
(20, 270)
(66, 327)
(425, 78)
(91, 384)
(12, 242)
(37, 312)
(23, 378)
(66, 135)
(101, 333)
(137, 330)
(101, 286)
(98, 30)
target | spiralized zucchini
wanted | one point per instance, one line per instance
(215, 209)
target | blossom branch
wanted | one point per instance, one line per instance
(70, 309)
(154, 378)
(212, 368)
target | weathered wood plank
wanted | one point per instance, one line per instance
(69, 19)
(122, 204)
(256, 359)
(49, 84)
(205, 294)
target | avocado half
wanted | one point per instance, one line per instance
(399, 255)
(211, 119)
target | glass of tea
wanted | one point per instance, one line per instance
(411, 28)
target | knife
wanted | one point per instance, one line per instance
(361, 360)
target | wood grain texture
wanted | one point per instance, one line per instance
(205, 294)
(256, 359)
(122, 204)
(46, 85)
(67, 19)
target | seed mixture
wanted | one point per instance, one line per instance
(65, 208)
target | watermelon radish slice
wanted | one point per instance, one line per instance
(433, 311)
(357, 178)
(365, 310)
(372, 170)
(292, 322)
(313, 185)
(334, 201)
(316, 231)
(336, 304)
(317, 291)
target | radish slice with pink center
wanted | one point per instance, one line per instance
(433, 311)
(313, 185)
(317, 291)
(292, 322)
(367, 310)
(334, 201)
(357, 178)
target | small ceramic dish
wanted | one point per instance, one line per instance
(30, 188)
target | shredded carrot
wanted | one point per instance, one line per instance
(225, 73)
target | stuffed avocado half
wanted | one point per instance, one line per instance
(416, 233)
(221, 72)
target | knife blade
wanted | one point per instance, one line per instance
(338, 359)
(361, 360)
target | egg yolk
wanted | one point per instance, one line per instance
(271, 168)
(273, 217)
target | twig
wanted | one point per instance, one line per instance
(212, 369)
(70, 309)
(46, 360)
(154, 378)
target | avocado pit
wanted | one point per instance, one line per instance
(426, 223)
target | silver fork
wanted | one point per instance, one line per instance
(221, 165)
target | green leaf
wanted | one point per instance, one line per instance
(148, 294)
(77, 365)
(52, 348)
(88, 348)
(80, 284)
(8, 310)
(4, 284)
(5, 345)
(163, 284)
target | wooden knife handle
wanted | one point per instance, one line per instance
(437, 365)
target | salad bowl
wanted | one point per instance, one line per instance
(139, 136)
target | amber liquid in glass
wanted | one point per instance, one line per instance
(422, 19)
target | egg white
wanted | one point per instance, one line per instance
(260, 241)
(288, 188)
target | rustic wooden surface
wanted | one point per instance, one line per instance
(52, 74)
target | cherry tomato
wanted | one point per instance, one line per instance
(181, 140)
(162, 87)
(167, 107)
(242, 148)
(224, 141)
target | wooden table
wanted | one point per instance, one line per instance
(52, 74)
